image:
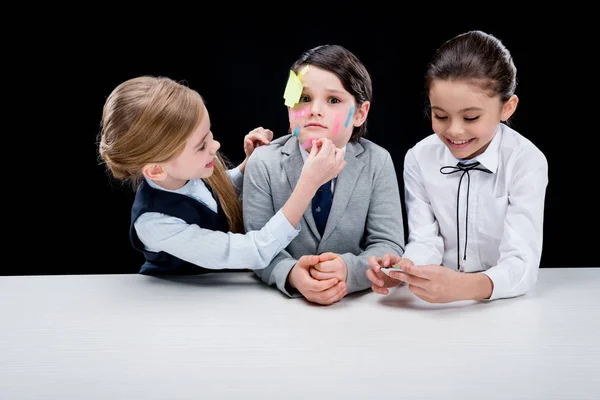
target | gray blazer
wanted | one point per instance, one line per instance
(365, 217)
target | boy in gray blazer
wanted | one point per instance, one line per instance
(328, 95)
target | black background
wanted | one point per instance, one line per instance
(240, 66)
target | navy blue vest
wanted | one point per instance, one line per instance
(148, 199)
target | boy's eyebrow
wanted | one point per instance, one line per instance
(463, 110)
(328, 90)
(335, 90)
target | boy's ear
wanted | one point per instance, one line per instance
(156, 172)
(509, 107)
(361, 113)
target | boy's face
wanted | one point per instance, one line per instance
(465, 117)
(325, 110)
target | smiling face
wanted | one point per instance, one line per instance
(195, 161)
(197, 158)
(325, 110)
(465, 117)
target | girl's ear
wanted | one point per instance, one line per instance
(156, 172)
(509, 107)
(360, 115)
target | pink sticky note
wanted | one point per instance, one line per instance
(293, 115)
(336, 124)
(308, 143)
(300, 113)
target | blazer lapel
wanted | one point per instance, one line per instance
(293, 163)
(344, 187)
(292, 166)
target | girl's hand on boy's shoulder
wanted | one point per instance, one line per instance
(255, 138)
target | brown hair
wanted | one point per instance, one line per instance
(148, 120)
(476, 56)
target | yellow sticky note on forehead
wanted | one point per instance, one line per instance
(302, 72)
(293, 90)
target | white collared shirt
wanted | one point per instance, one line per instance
(504, 230)
(214, 249)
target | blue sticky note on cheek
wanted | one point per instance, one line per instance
(350, 113)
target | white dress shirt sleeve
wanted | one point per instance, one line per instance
(521, 243)
(214, 249)
(425, 245)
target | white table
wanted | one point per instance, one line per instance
(229, 336)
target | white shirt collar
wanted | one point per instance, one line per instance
(194, 188)
(185, 189)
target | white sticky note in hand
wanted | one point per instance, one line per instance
(386, 270)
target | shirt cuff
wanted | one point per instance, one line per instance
(282, 230)
(500, 281)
